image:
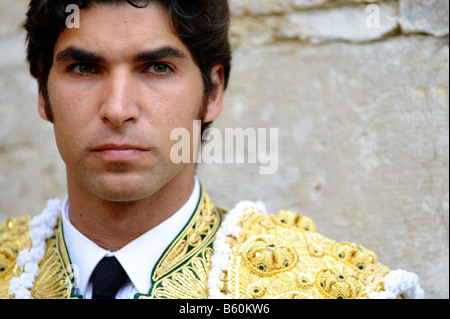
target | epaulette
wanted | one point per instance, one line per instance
(259, 255)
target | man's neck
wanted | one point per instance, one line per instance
(112, 225)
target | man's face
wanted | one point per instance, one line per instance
(118, 86)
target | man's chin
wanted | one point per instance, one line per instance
(123, 193)
(121, 197)
(129, 187)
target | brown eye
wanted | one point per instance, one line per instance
(83, 69)
(159, 69)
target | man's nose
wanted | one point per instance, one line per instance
(119, 104)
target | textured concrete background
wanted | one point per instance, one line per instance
(362, 113)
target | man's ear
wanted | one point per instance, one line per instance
(215, 101)
(41, 101)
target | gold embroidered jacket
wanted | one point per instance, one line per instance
(244, 253)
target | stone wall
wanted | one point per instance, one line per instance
(361, 107)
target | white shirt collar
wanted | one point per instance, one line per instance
(138, 258)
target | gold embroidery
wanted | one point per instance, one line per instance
(255, 291)
(199, 233)
(292, 295)
(304, 281)
(190, 253)
(13, 238)
(283, 257)
(55, 279)
(354, 255)
(190, 282)
(339, 283)
(268, 255)
(295, 221)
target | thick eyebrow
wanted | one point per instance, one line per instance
(77, 54)
(159, 54)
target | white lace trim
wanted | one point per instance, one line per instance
(41, 228)
(400, 282)
(222, 251)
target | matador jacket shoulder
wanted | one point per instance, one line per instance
(242, 253)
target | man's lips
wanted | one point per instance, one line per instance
(118, 147)
(115, 152)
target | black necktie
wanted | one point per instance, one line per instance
(107, 278)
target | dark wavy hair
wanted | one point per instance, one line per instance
(202, 25)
